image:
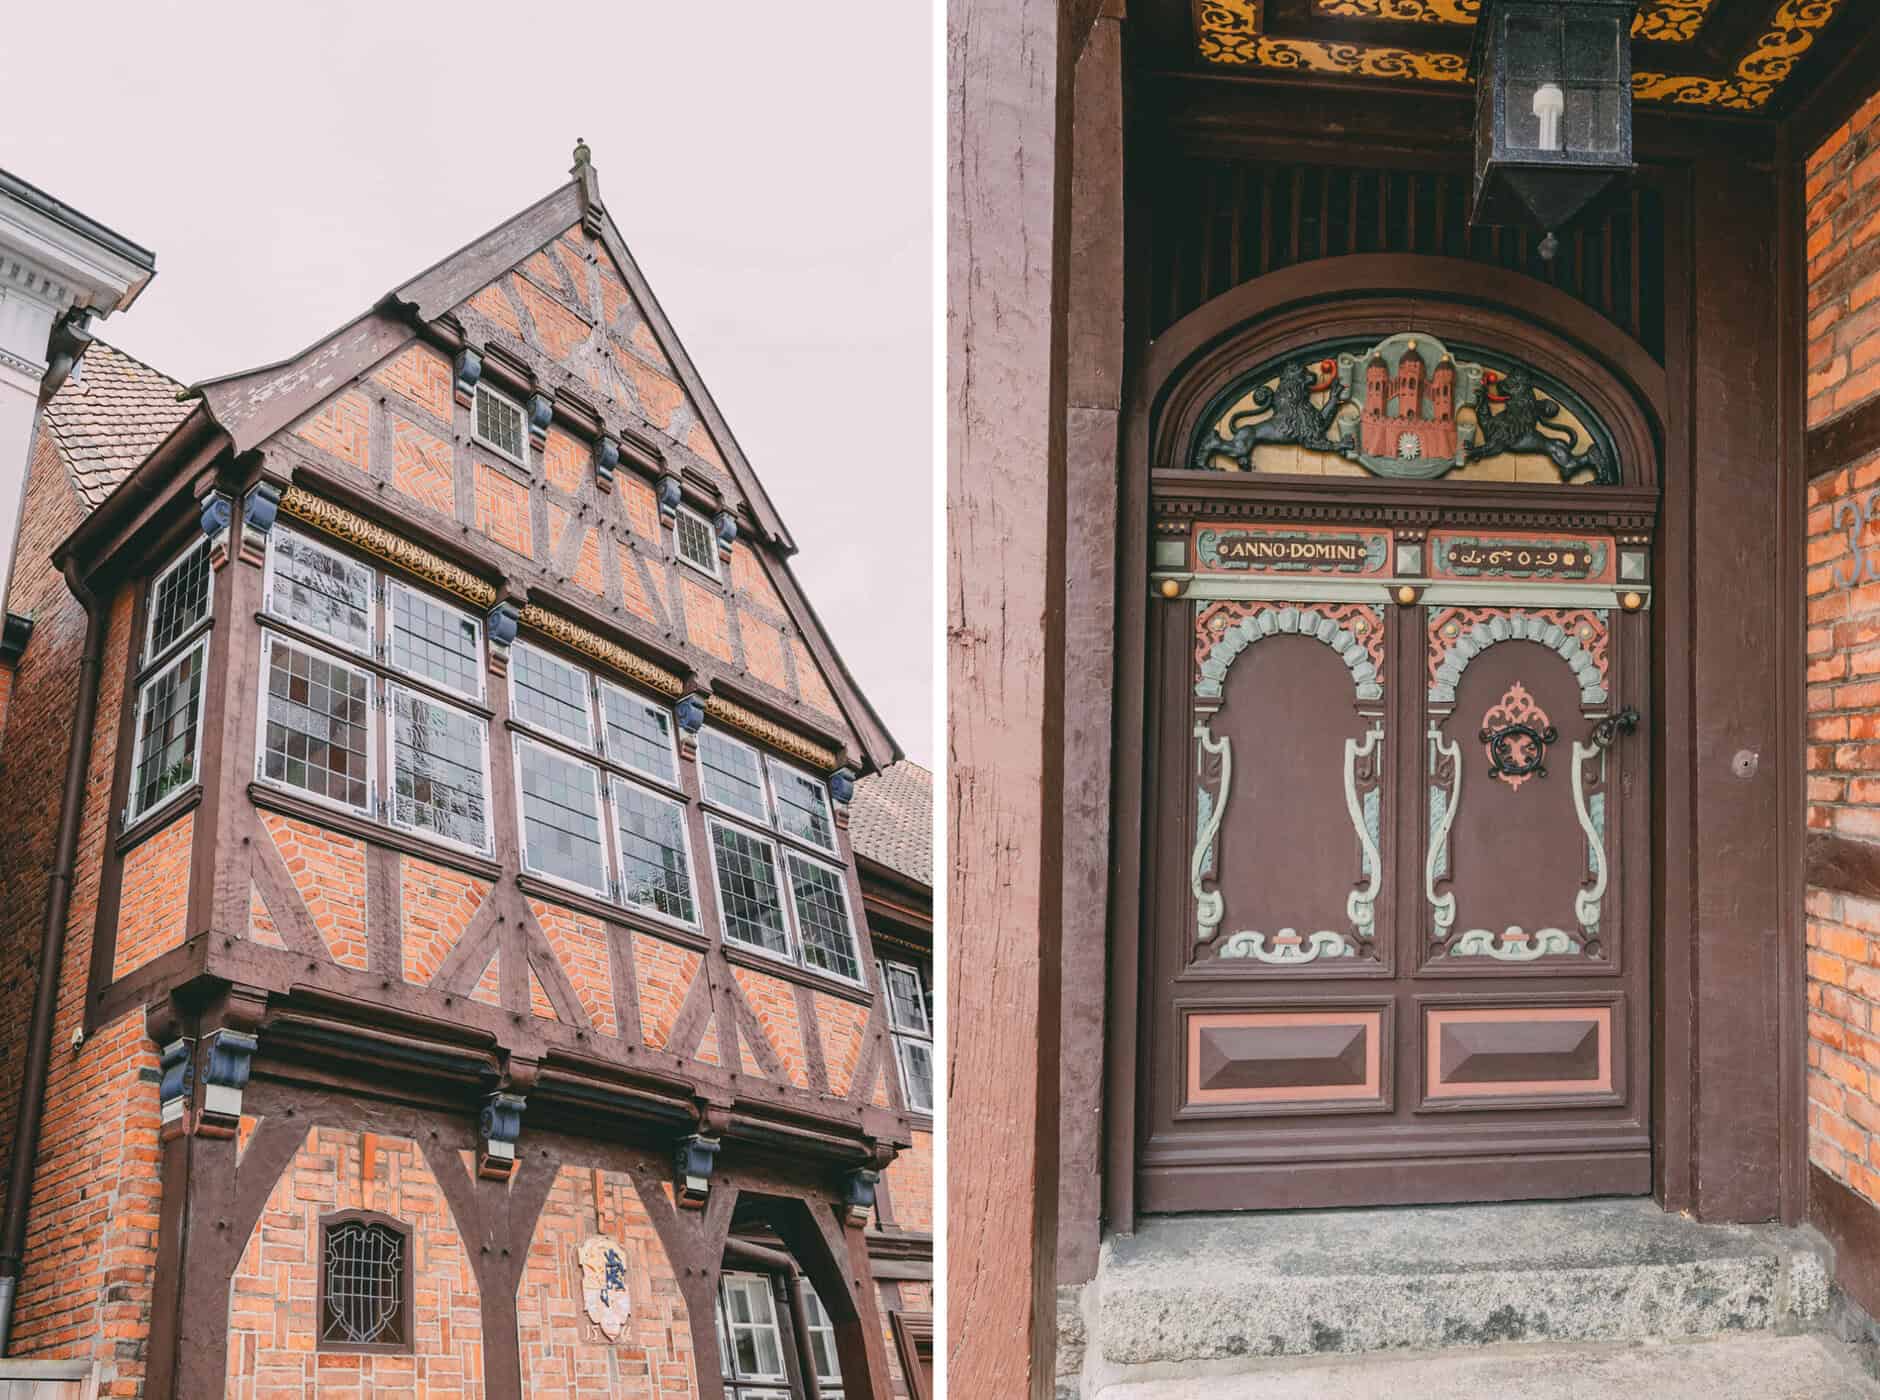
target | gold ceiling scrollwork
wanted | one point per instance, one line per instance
(1666, 21)
(1770, 60)
(1231, 33)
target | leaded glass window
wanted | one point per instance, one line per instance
(802, 806)
(697, 543)
(362, 1292)
(637, 734)
(180, 597)
(550, 694)
(320, 589)
(316, 721)
(749, 893)
(916, 1060)
(431, 639)
(822, 917)
(910, 1016)
(440, 770)
(500, 424)
(169, 731)
(655, 855)
(732, 774)
(561, 817)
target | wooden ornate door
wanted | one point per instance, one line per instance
(1401, 936)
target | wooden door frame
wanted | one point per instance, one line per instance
(1632, 393)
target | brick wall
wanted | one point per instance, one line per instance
(274, 1297)
(563, 1353)
(33, 753)
(154, 907)
(329, 870)
(1843, 651)
(91, 1248)
(910, 1186)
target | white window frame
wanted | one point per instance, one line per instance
(819, 1322)
(773, 763)
(887, 996)
(601, 816)
(737, 814)
(712, 570)
(150, 653)
(860, 979)
(480, 696)
(496, 447)
(132, 812)
(696, 923)
(900, 1064)
(271, 576)
(672, 733)
(590, 745)
(271, 639)
(790, 956)
(775, 1326)
(899, 1033)
(392, 690)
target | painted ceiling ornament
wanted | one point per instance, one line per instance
(1664, 21)
(1515, 735)
(604, 1285)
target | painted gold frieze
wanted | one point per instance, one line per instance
(1758, 73)
(383, 544)
(597, 647)
(824, 759)
(1231, 33)
(1665, 21)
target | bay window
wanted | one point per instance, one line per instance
(327, 678)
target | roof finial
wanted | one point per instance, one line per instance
(583, 157)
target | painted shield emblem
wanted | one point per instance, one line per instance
(604, 1285)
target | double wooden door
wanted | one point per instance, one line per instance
(1400, 890)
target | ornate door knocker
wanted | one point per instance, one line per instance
(1516, 732)
(1518, 750)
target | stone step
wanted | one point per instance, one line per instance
(1751, 1366)
(1218, 1291)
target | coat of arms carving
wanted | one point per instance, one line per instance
(604, 1285)
(1406, 407)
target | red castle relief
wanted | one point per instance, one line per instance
(1408, 417)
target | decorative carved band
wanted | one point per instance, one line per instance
(380, 542)
(592, 644)
(824, 759)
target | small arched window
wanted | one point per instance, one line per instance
(365, 1283)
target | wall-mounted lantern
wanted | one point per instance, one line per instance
(1553, 109)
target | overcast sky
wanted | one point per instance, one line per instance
(770, 167)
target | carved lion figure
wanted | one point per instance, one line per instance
(1525, 425)
(1291, 420)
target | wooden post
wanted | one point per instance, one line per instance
(1008, 199)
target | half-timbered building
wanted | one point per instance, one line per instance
(1414, 742)
(454, 975)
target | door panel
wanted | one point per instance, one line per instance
(1399, 877)
(1516, 849)
(1288, 862)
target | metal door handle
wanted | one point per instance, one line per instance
(1613, 728)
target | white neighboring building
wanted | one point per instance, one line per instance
(58, 269)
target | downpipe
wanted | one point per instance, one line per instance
(31, 1115)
